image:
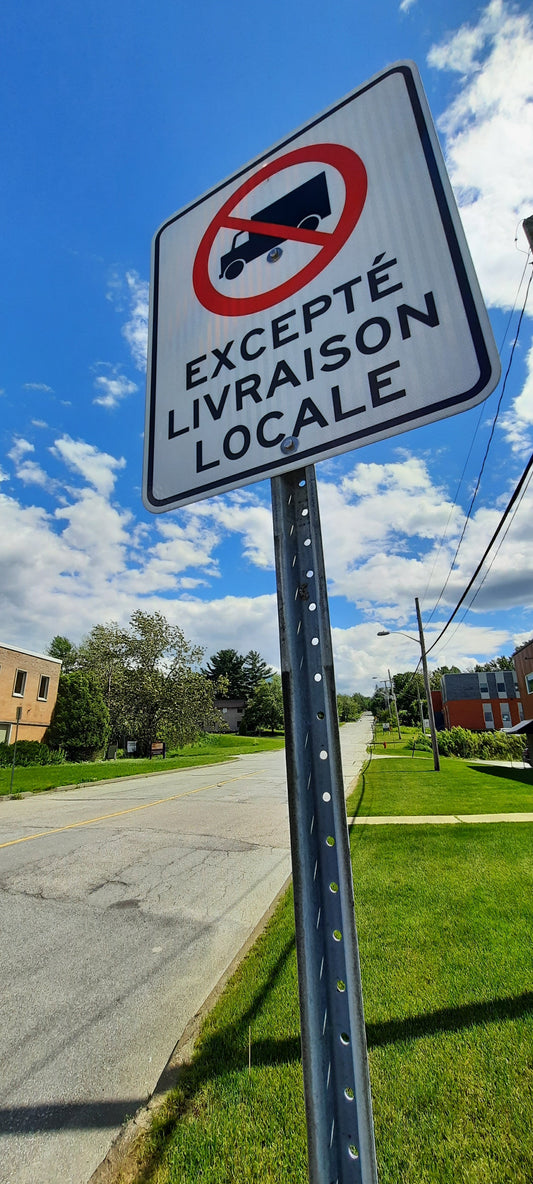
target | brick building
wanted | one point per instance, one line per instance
(27, 681)
(483, 702)
(523, 664)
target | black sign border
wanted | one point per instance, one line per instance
(260, 472)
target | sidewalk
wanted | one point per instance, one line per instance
(435, 819)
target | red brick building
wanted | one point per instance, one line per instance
(28, 682)
(484, 701)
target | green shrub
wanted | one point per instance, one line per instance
(80, 720)
(30, 752)
(481, 745)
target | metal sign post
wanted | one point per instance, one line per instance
(335, 1065)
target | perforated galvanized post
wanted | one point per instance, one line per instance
(335, 1064)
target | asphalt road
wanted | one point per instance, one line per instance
(121, 906)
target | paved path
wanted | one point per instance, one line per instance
(436, 819)
(121, 905)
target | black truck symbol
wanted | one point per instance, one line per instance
(303, 207)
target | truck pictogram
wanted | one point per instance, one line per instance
(304, 207)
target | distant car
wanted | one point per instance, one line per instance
(304, 206)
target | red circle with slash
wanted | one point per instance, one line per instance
(354, 175)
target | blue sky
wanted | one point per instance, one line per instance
(115, 115)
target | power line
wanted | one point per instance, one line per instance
(496, 553)
(483, 463)
(503, 519)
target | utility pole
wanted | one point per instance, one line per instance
(431, 713)
(393, 693)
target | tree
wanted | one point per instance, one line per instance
(228, 665)
(60, 647)
(237, 675)
(255, 670)
(410, 692)
(504, 662)
(80, 719)
(146, 673)
(350, 707)
(264, 710)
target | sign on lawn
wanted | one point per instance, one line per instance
(320, 299)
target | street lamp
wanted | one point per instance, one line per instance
(431, 714)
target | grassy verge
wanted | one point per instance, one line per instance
(208, 750)
(444, 929)
(409, 786)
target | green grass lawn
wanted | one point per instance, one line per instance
(444, 922)
(206, 751)
(408, 785)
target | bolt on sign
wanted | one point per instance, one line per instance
(321, 298)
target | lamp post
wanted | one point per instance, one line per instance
(431, 714)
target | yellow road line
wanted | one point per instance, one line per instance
(131, 810)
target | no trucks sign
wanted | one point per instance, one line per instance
(320, 299)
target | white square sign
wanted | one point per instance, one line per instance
(320, 299)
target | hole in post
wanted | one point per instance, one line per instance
(307, 542)
(305, 512)
(326, 797)
(330, 841)
(310, 573)
(345, 1039)
(318, 678)
(333, 886)
(341, 986)
(302, 483)
(320, 715)
(337, 935)
(349, 1094)
(352, 1151)
(312, 607)
(323, 755)
(314, 641)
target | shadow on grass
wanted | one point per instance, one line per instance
(513, 774)
(226, 1051)
(449, 1019)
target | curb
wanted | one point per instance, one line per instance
(31, 793)
(120, 1164)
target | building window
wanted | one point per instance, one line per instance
(520, 712)
(20, 683)
(4, 733)
(506, 717)
(529, 684)
(44, 683)
(483, 686)
(489, 718)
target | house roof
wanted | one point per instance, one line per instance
(17, 649)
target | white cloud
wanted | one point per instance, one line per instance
(19, 449)
(39, 423)
(488, 132)
(244, 514)
(38, 386)
(31, 473)
(98, 468)
(406, 5)
(136, 328)
(112, 388)
(517, 423)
